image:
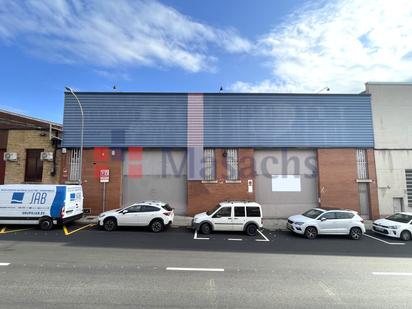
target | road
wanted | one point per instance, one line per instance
(134, 268)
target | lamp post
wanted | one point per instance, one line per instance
(68, 89)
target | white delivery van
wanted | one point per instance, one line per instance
(45, 205)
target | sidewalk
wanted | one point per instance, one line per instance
(272, 224)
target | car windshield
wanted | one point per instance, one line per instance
(402, 218)
(312, 213)
(209, 212)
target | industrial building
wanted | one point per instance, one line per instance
(392, 123)
(288, 152)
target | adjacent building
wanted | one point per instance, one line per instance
(289, 152)
(28, 149)
(392, 122)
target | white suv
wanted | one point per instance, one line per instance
(154, 214)
(230, 216)
(327, 222)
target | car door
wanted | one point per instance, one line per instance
(344, 222)
(129, 216)
(239, 218)
(327, 223)
(147, 214)
(222, 219)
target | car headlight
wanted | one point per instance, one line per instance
(299, 223)
(394, 227)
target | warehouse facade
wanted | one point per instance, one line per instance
(289, 152)
(392, 111)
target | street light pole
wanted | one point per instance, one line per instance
(81, 132)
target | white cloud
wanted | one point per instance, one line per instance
(340, 44)
(114, 33)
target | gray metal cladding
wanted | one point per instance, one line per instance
(126, 119)
(288, 120)
(230, 120)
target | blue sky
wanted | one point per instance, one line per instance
(197, 46)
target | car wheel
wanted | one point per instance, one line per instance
(46, 224)
(157, 226)
(406, 235)
(311, 232)
(355, 233)
(205, 228)
(251, 230)
(110, 224)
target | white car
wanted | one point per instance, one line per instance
(399, 225)
(154, 214)
(230, 216)
(317, 221)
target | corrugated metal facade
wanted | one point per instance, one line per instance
(230, 120)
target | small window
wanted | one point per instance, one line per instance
(147, 208)
(34, 166)
(344, 215)
(328, 215)
(253, 211)
(209, 164)
(232, 163)
(239, 211)
(224, 212)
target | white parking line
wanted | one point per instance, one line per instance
(199, 238)
(390, 274)
(235, 239)
(265, 238)
(194, 269)
(386, 242)
(4, 264)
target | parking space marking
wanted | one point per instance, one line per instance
(235, 239)
(67, 232)
(377, 273)
(263, 235)
(4, 264)
(386, 242)
(194, 269)
(199, 238)
(5, 231)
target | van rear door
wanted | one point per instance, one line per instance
(74, 201)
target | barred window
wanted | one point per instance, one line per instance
(362, 164)
(209, 164)
(408, 174)
(232, 164)
(74, 163)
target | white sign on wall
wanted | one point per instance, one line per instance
(286, 183)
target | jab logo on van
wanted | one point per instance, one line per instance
(17, 198)
(38, 198)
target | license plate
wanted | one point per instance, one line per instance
(379, 229)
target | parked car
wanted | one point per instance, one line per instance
(154, 214)
(399, 225)
(317, 221)
(230, 216)
(43, 205)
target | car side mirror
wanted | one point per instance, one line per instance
(216, 216)
(125, 211)
(323, 219)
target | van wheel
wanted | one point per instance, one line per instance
(157, 226)
(406, 235)
(251, 230)
(311, 232)
(110, 224)
(205, 228)
(46, 224)
(355, 233)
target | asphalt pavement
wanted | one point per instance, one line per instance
(83, 267)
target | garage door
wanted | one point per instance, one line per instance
(162, 177)
(286, 181)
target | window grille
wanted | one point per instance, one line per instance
(209, 164)
(362, 164)
(74, 174)
(232, 164)
(408, 174)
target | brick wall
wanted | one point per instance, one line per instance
(203, 196)
(337, 180)
(93, 161)
(19, 141)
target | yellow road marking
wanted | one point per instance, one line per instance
(3, 230)
(67, 233)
